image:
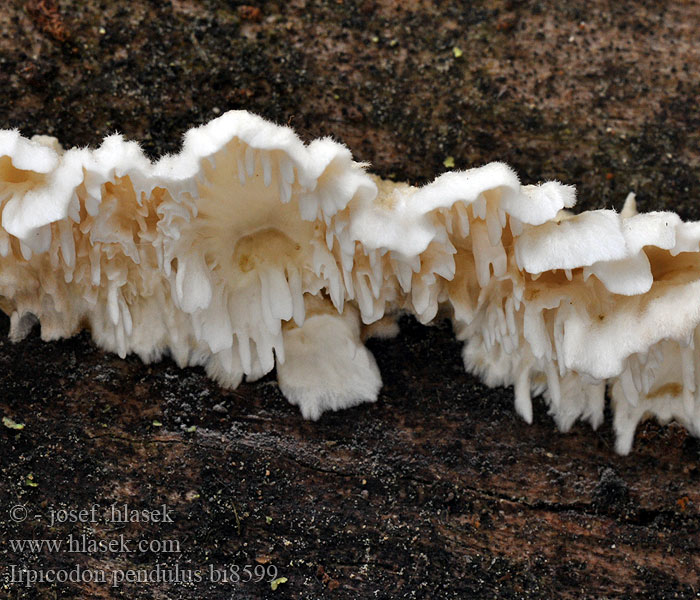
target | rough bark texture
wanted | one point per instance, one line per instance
(438, 490)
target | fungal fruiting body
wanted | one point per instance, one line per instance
(249, 250)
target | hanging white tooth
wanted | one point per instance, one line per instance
(280, 296)
(596, 403)
(648, 377)
(499, 260)
(518, 293)
(502, 323)
(249, 161)
(510, 316)
(92, 201)
(348, 283)
(329, 239)
(278, 347)
(125, 315)
(523, 399)
(26, 250)
(502, 217)
(227, 361)
(298, 310)
(121, 343)
(341, 223)
(364, 298)
(308, 204)
(403, 273)
(624, 425)
(688, 402)
(689, 341)
(516, 226)
(73, 208)
(447, 216)
(347, 258)
(287, 170)
(90, 295)
(568, 274)
(113, 304)
(445, 267)
(507, 345)
(495, 333)
(304, 208)
(463, 219)
(285, 191)
(318, 259)
(327, 206)
(375, 282)
(197, 325)
(377, 273)
(420, 297)
(431, 310)
(415, 263)
(490, 317)
(372, 258)
(67, 242)
(628, 388)
(271, 323)
(636, 371)
(336, 288)
(553, 383)
(21, 326)
(265, 355)
(488, 338)
(688, 369)
(481, 248)
(479, 207)
(244, 352)
(267, 167)
(217, 329)
(493, 225)
(241, 169)
(558, 331)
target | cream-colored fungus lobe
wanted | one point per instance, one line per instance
(249, 250)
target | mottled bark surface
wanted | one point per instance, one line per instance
(438, 490)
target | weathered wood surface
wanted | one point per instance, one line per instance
(438, 490)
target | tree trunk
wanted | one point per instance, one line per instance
(438, 490)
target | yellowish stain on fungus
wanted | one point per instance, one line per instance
(668, 389)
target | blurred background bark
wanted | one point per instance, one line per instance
(438, 490)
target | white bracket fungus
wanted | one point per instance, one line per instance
(249, 250)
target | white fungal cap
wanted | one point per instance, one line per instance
(632, 276)
(579, 241)
(26, 167)
(35, 155)
(403, 219)
(258, 235)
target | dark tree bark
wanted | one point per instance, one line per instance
(438, 490)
